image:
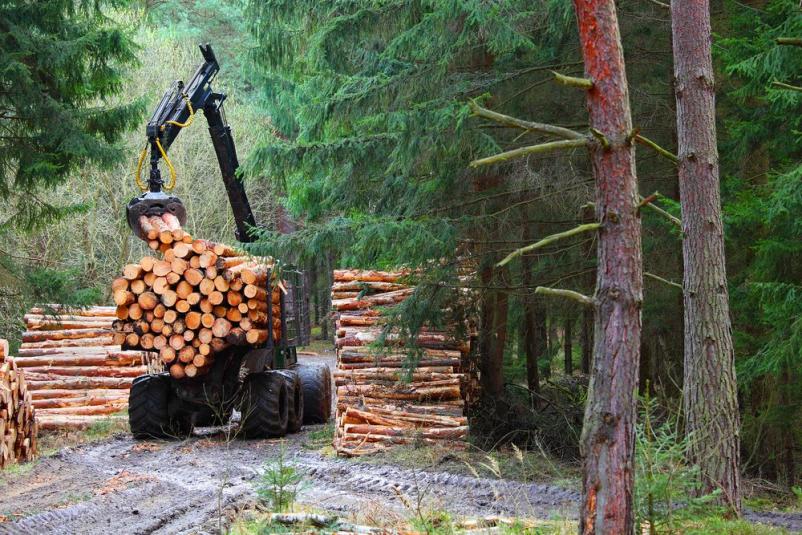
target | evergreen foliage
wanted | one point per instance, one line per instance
(763, 203)
(62, 62)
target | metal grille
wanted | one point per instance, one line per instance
(296, 304)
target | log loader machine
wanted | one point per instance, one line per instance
(273, 393)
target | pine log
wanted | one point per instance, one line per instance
(26, 351)
(177, 371)
(408, 393)
(107, 397)
(350, 275)
(52, 372)
(448, 433)
(383, 299)
(359, 285)
(74, 422)
(132, 271)
(82, 383)
(52, 309)
(81, 342)
(108, 408)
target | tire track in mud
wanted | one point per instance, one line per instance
(123, 486)
(186, 487)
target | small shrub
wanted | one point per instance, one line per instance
(280, 483)
(664, 483)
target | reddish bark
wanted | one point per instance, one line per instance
(608, 433)
(709, 388)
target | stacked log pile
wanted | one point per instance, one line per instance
(17, 422)
(380, 401)
(76, 376)
(197, 300)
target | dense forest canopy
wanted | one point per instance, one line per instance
(359, 122)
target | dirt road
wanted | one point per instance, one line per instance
(124, 486)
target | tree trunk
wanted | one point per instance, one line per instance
(324, 325)
(608, 434)
(551, 344)
(532, 338)
(587, 340)
(709, 387)
(492, 337)
(788, 432)
(313, 289)
(568, 347)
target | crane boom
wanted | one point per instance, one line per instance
(176, 110)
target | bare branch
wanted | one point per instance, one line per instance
(543, 148)
(568, 294)
(661, 279)
(655, 147)
(572, 81)
(790, 41)
(781, 85)
(549, 240)
(601, 138)
(659, 210)
(542, 128)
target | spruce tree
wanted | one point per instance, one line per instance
(762, 192)
(62, 62)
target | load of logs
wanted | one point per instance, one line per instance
(197, 300)
(381, 399)
(76, 376)
(17, 422)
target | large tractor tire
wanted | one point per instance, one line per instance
(295, 408)
(316, 387)
(148, 413)
(265, 405)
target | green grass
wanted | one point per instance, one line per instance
(320, 439)
(716, 525)
(52, 441)
(15, 470)
(507, 463)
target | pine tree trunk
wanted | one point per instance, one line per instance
(587, 340)
(495, 364)
(551, 344)
(314, 290)
(534, 339)
(568, 347)
(608, 434)
(492, 338)
(709, 388)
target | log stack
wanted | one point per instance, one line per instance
(17, 420)
(197, 300)
(76, 376)
(381, 401)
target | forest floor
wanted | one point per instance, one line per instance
(114, 484)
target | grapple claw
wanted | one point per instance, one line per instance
(153, 204)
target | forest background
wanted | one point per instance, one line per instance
(353, 120)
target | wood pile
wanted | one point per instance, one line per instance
(17, 420)
(380, 402)
(76, 376)
(195, 301)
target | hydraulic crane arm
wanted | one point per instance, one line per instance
(175, 111)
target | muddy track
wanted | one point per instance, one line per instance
(124, 486)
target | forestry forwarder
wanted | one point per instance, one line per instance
(274, 394)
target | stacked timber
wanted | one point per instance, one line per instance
(382, 399)
(76, 375)
(194, 302)
(17, 422)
